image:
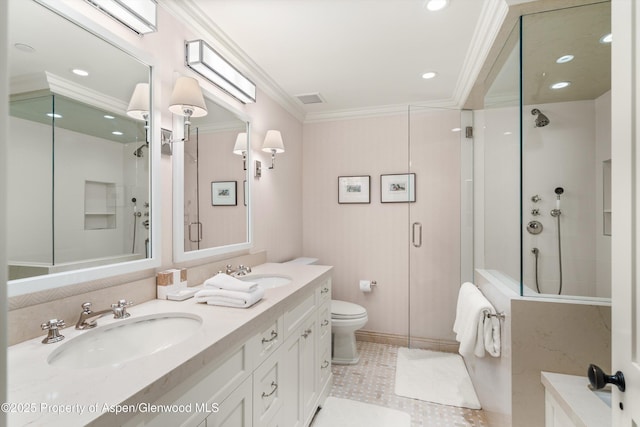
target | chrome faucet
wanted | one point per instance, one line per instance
(242, 270)
(89, 319)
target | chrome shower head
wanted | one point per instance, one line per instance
(138, 152)
(541, 120)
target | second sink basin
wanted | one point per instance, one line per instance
(267, 281)
(125, 340)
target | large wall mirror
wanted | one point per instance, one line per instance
(79, 168)
(211, 185)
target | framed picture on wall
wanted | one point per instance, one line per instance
(354, 189)
(398, 188)
(223, 193)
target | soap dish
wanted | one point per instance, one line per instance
(181, 295)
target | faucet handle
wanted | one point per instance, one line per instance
(53, 334)
(120, 309)
(229, 269)
(86, 307)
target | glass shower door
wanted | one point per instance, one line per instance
(440, 220)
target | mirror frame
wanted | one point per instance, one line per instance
(29, 285)
(179, 254)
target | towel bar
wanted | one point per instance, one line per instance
(500, 316)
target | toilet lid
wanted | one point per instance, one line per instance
(346, 310)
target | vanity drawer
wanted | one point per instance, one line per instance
(268, 340)
(324, 292)
(267, 390)
(294, 317)
(324, 321)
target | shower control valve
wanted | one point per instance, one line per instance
(535, 199)
(535, 212)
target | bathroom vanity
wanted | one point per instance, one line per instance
(268, 365)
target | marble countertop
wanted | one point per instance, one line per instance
(41, 394)
(582, 405)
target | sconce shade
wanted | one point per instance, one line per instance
(204, 60)
(139, 16)
(241, 144)
(187, 97)
(139, 104)
(273, 142)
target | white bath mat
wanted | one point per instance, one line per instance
(350, 413)
(436, 377)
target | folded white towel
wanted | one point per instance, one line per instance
(224, 281)
(474, 330)
(229, 298)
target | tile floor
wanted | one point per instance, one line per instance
(372, 380)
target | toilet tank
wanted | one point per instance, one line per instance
(303, 260)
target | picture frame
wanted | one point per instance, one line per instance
(354, 189)
(223, 193)
(398, 188)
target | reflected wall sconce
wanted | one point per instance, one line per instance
(140, 16)
(139, 106)
(204, 60)
(241, 148)
(187, 100)
(273, 144)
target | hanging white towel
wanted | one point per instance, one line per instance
(474, 330)
(228, 298)
(224, 281)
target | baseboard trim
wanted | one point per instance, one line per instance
(403, 341)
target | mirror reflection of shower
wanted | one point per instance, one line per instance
(541, 119)
(138, 153)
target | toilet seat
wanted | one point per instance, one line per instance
(342, 310)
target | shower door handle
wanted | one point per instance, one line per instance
(416, 238)
(199, 232)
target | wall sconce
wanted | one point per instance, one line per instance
(187, 100)
(273, 144)
(204, 60)
(241, 148)
(139, 16)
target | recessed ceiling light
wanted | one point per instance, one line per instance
(117, 132)
(564, 59)
(435, 5)
(429, 75)
(456, 130)
(54, 115)
(24, 47)
(607, 38)
(108, 117)
(508, 133)
(80, 72)
(560, 85)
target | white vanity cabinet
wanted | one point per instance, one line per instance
(276, 378)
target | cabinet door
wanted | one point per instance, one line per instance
(291, 387)
(235, 410)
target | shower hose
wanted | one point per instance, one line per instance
(559, 255)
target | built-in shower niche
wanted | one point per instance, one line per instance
(99, 205)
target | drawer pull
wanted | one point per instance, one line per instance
(306, 333)
(325, 322)
(324, 290)
(274, 335)
(274, 387)
(325, 364)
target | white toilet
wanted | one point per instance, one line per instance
(346, 319)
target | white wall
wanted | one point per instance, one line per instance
(371, 241)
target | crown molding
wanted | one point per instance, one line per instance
(192, 16)
(492, 17)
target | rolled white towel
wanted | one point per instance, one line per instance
(224, 281)
(229, 298)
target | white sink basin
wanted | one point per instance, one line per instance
(125, 340)
(267, 281)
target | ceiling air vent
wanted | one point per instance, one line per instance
(310, 98)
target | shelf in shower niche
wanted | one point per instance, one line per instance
(99, 205)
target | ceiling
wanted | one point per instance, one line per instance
(358, 55)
